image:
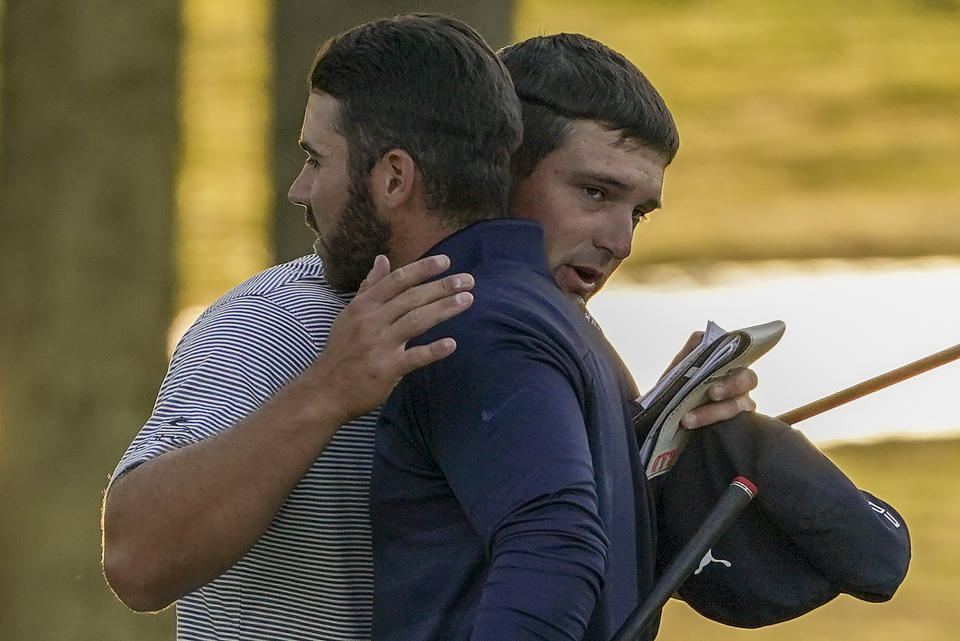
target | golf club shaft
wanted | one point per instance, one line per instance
(736, 497)
(870, 386)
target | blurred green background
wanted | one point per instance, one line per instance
(145, 151)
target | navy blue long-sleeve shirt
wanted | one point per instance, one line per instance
(507, 498)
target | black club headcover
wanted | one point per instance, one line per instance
(809, 535)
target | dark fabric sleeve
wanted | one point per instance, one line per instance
(809, 535)
(506, 428)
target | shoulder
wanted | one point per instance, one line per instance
(299, 286)
(513, 334)
(291, 301)
(510, 310)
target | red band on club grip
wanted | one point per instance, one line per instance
(746, 484)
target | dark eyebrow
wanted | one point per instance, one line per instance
(606, 179)
(307, 148)
(650, 205)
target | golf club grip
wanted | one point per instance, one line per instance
(736, 497)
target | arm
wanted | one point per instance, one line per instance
(525, 436)
(730, 395)
(179, 520)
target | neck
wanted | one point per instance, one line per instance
(412, 236)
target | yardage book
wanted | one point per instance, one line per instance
(684, 388)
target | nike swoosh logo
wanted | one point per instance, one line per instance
(487, 415)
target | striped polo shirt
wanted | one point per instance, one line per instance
(310, 576)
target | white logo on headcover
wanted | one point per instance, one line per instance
(708, 558)
(883, 511)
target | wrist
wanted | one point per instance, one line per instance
(317, 399)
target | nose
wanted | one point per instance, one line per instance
(298, 192)
(615, 235)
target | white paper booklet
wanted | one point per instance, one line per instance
(684, 388)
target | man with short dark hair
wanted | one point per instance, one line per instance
(508, 498)
(596, 137)
(597, 140)
(245, 495)
(595, 131)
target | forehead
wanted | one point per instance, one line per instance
(319, 124)
(590, 148)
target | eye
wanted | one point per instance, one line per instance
(593, 193)
(639, 216)
(312, 162)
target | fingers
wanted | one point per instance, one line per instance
(401, 292)
(738, 383)
(380, 269)
(422, 355)
(422, 296)
(421, 318)
(730, 395)
(717, 411)
(688, 347)
(400, 280)
(366, 352)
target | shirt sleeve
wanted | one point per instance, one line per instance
(506, 428)
(234, 358)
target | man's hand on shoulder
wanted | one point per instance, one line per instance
(729, 396)
(366, 354)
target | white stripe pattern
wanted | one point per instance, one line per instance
(310, 576)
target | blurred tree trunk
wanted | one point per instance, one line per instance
(300, 27)
(87, 162)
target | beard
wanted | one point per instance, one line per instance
(348, 251)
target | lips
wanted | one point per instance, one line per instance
(587, 274)
(580, 280)
(311, 223)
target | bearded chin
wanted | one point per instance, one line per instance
(348, 252)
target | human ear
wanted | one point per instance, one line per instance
(393, 179)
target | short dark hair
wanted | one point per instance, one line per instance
(427, 84)
(567, 77)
